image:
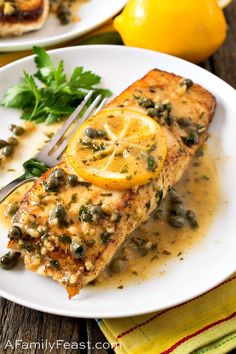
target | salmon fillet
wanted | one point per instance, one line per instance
(22, 16)
(98, 221)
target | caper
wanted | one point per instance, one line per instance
(191, 139)
(159, 107)
(3, 143)
(170, 120)
(151, 112)
(191, 217)
(58, 173)
(12, 141)
(85, 214)
(15, 232)
(72, 180)
(184, 122)
(187, 82)
(176, 221)
(163, 114)
(18, 131)
(146, 103)
(52, 184)
(9, 260)
(64, 14)
(55, 264)
(11, 209)
(101, 133)
(178, 209)
(65, 239)
(168, 106)
(117, 265)
(79, 251)
(91, 133)
(176, 199)
(8, 150)
(159, 214)
(59, 212)
(12, 127)
(105, 237)
(96, 209)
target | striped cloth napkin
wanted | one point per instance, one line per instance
(206, 324)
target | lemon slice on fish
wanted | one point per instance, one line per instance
(118, 149)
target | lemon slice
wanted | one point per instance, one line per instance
(118, 149)
(224, 3)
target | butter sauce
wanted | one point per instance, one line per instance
(199, 186)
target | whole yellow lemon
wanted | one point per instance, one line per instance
(190, 29)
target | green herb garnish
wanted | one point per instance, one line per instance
(34, 168)
(48, 95)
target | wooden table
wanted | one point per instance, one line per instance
(18, 322)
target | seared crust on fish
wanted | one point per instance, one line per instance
(98, 219)
(22, 16)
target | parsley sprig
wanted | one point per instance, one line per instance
(48, 95)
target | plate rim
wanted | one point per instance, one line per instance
(57, 39)
(68, 312)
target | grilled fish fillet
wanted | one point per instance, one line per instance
(21, 16)
(48, 247)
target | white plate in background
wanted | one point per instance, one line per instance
(91, 13)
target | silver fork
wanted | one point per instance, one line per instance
(51, 154)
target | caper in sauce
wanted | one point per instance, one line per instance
(18, 131)
(59, 212)
(3, 143)
(176, 221)
(79, 251)
(117, 265)
(9, 260)
(15, 232)
(8, 150)
(191, 139)
(72, 180)
(178, 209)
(58, 173)
(52, 184)
(187, 82)
(12, 141)
(191, 217)
(105, 237)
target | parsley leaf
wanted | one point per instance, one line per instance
(48, 95)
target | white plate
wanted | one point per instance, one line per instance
(92, 14)
(205, 265)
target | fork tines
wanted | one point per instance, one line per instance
(52, 152)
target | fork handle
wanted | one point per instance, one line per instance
(12, 186)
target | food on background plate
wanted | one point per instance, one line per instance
(68, 228)
(65, 10)
(22, 16)
(190, 29)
